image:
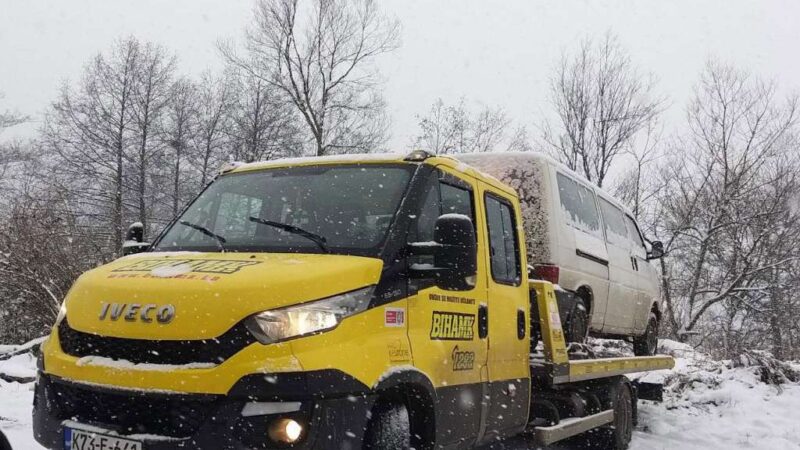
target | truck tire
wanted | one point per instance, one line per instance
(577, 326)
(617, 436)
(389, 427)
(647, 344)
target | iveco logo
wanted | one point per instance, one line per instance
(137, 312)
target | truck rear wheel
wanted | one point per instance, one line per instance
(389, 427)
(647, 344)
(617, 436)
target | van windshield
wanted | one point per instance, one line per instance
(343, 209)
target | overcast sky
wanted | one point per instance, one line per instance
(498, 53)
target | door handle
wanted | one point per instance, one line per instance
(634, 266)
(521, 325)
(483, 321)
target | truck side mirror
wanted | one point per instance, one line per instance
(656, 250)
(456, 259)
(133, 240)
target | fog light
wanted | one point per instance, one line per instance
(285, 431)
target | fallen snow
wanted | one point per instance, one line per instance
(19, 366)
(707, 404)
(171, 271)
(121, 364)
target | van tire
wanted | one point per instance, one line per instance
(647, 344)
(577, 322)
(389, 427)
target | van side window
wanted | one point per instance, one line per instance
(578, 204)
(616, 231)
(633, 232)
(503, 244)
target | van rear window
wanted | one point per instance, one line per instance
(578, 204)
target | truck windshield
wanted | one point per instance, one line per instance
(344, 209)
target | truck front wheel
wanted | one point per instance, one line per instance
(388, 428)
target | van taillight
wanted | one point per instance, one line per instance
(546, 273)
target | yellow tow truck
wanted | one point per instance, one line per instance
(369, 301)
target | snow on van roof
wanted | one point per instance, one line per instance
(328, 159)
(488, 161)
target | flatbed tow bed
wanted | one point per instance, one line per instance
(573, 396)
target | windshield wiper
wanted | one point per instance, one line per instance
(317, 239)
(220, 240)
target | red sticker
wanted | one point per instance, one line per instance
(394, 317)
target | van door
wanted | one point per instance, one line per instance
(583, 257)
(646, 277)
(508, 295)
(447, 343)
(622, 276)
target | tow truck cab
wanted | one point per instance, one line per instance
(310, 303)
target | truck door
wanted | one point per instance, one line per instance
(447, 343)
(508, 297)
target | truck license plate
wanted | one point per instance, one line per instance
(86, 440)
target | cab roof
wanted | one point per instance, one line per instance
(374, 158)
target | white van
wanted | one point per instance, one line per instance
(581, 238)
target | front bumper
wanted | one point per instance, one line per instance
(333, 406)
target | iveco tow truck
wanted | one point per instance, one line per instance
(373, 301)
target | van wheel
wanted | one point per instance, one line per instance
(647, 344)
(578, 323)
(389, 428)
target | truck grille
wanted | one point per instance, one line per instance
(131, 412)
(138, 351)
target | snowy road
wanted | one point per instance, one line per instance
(752, 418)
(708, 405)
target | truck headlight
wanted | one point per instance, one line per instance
(313, 317)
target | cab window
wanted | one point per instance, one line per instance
(503, 243)
(445, 195)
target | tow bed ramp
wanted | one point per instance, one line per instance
(554, 368)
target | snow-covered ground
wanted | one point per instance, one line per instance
(707, 405)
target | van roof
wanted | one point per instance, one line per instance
(512, 158)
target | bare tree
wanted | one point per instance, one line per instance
(9, 152)
(320, 57)
(456, 129)
(89, 128)
(601, 102)
(10, 118)
(151, 95)
(726, 199)
(635, 187)
(179, 129)
(262, 125)
(215, 100)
